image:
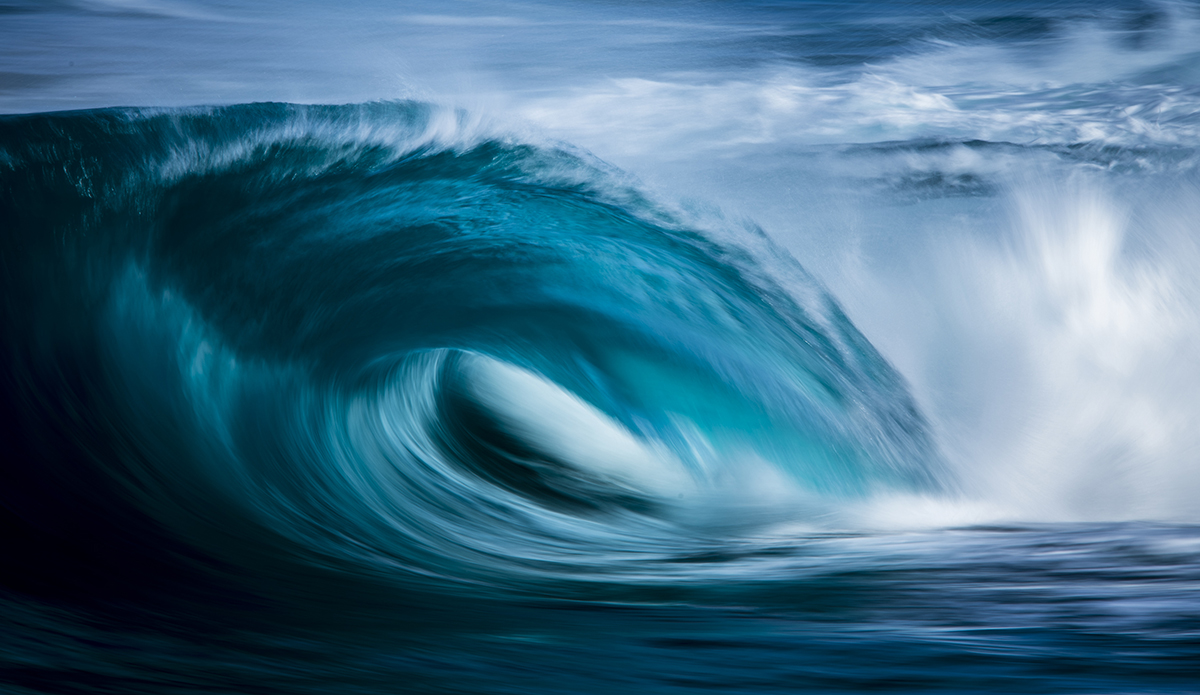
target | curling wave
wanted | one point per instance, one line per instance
(382, 340)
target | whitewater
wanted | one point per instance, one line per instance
(537, 348)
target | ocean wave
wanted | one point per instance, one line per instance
(393, 342)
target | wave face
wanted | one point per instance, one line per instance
(399, 348)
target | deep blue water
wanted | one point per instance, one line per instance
(596, 346)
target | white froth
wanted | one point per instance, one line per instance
(1057, 362)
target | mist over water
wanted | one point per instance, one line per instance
(565, 347)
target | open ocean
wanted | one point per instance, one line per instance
(599, 346)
